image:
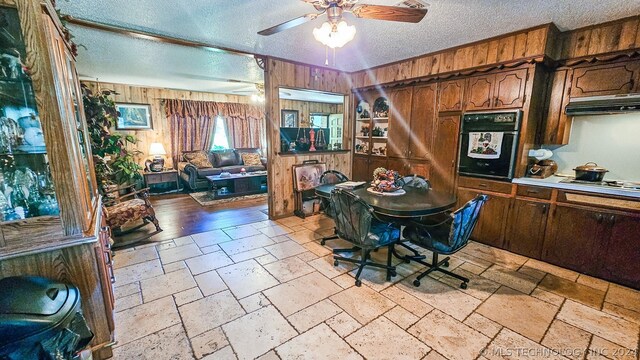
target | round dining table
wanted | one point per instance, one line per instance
(414, 203)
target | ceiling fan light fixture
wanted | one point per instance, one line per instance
(334, 35)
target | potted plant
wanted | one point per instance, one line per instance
(114, 162)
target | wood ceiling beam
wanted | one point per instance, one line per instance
(139, 34)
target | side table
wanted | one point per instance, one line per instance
(161, 177)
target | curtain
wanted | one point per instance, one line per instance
(192, 123)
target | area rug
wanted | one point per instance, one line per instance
(204, 198)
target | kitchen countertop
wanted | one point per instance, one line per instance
(554, 182)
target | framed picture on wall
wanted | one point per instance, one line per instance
(289, 118)
(134, 117)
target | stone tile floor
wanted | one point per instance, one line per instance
(269, 290)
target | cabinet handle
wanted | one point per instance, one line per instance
(599, 218)
(612, 219)
(482, 185)
(544, 209)
(532, 191)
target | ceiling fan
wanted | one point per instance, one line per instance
(335, 8)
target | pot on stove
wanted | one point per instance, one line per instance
(590, 172)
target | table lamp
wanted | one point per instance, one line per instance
(157, 163)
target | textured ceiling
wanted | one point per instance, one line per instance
(234, 24)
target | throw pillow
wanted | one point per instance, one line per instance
(198, 159)
(251, 159)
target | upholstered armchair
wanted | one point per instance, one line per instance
(120, 210)
(445, 237)
(357, 223)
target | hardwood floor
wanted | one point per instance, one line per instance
(180, 215)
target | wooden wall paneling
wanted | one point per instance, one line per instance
(537, 41)
(520, 46)
(628, 34)
(447, 61)
(533, 111)
(492, 52)
(154, 97)
(506, 46)
(480, 54)
(279, 73)
(305, 108)
(555, 126)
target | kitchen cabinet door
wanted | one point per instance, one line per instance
(492, 219)
(509, 89)
(574, 239)
(400, 165)
(620, 256)
(374, 163)
(445, 153)
(557, 125)
(526, 227)
(423, 114)
(450, 95)
(399, 117)
(360, 168)
(479, 94)
(421, 168)
(609, 79)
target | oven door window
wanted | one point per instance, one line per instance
(491, 158)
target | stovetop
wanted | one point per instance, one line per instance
(627, 185)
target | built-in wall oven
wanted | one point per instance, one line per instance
(488, 144)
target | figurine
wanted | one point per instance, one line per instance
(12, 66)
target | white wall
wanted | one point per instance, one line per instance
(612, 141)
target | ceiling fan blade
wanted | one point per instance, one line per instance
(289, 24)
(391, 13)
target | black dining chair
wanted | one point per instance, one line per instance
(330, 177)
(357, 223)
(445, 237)
(415, 181)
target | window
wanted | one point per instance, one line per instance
(220, 140)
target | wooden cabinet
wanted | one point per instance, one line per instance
(450, 95)
(609, 79)
(61, 238)
(423, 114)
(525, 231)
(620, 254)
(409, 167)
(505, 90)
(510, 89)
(480, 92)
(360, 168)
(575, 238)
(400, 134)
(490, 227)
(445, 153)
(374, 163)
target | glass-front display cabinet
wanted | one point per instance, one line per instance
(26, 187)
(46, 171)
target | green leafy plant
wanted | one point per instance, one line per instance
(114, 162)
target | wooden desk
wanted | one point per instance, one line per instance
(162, 177)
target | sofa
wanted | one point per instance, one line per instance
(230, 160)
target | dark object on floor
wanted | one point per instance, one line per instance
(330, 177)
(119, 212)
(40, 319)
(357, 223)
(445, 237)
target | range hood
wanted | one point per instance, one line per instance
(598, 105)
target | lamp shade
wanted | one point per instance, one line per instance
(157, 149)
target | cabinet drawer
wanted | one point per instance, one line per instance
(594, 200)
(482, 184)
(169, 177)
(534, 192)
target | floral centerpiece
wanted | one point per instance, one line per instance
(385, 180)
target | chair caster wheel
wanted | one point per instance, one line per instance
(445, 264)
(358, 283)
(406, 261)
(335, 262)
(416, 283)
(322, 242)
(393, 273)
(463, 285)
